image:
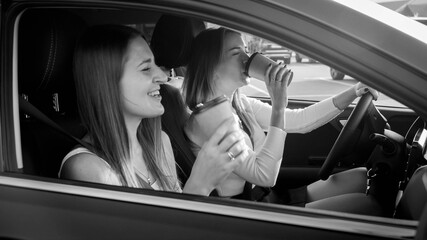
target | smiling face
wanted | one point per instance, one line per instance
(229, 74)
(140, 82)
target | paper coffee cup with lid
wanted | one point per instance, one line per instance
(257, 65)
(206, 117)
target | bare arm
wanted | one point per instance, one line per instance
(89, 168)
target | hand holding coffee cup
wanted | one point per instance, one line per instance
(257, 64)
(218, 158)
(206, 118)
(276, 77)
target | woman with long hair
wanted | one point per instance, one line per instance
(117, 84)
(217, 68)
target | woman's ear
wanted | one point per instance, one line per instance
(216, 76)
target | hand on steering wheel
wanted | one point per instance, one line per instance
(362, 88)
(343, 141)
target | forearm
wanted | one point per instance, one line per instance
(307, 119)
(262, 167)
(345, 98)
(278, 118)
(193, 186)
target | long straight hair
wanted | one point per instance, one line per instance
(199, 84)
(99, 61)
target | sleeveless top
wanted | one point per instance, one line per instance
(113, 179)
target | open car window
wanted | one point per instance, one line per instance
(312, 80)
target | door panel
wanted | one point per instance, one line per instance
(29, 213)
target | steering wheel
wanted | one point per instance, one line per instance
(344, 139)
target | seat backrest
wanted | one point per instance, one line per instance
(173, 120)
(414, 196)
(422, 224)
(172, 40)
(46, 41)
(171, 44)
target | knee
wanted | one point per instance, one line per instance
(357, 203)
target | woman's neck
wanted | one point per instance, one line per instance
(135, 151)
(221, 92)
(132, 125)
(223, 86)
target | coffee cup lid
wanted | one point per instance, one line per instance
(248, 63)
(201, 107)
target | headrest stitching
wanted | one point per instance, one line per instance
(48, 70)
(55, 54)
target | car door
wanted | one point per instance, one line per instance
(45, 207)
(37, 208)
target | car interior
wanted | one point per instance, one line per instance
(50, 124)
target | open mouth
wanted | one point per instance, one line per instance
(155, 94)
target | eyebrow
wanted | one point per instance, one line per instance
(234, 48)
(148, 60)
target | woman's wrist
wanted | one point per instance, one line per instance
(278, 111)
(278, 118)
(342, 100)
(194, 187)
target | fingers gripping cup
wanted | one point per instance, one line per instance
(257, 65)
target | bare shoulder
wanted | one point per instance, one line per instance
(166, 140)
(88, 167)
(165, 136)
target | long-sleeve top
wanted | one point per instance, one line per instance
(263, 164)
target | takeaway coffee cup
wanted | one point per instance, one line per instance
(257, 64)
(207, 117)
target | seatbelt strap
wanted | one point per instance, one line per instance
(29, 109)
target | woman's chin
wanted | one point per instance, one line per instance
(156, 112)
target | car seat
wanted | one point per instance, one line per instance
(414, 196)
(173, 120)
(171, 45)
(46, 40)
(172, 40)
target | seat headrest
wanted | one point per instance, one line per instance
(46, 40)
(172, 39)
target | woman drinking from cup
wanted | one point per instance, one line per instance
(218, 68)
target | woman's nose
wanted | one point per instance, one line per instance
(160, 77)
(245, 58)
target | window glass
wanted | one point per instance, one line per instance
(312, 80)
